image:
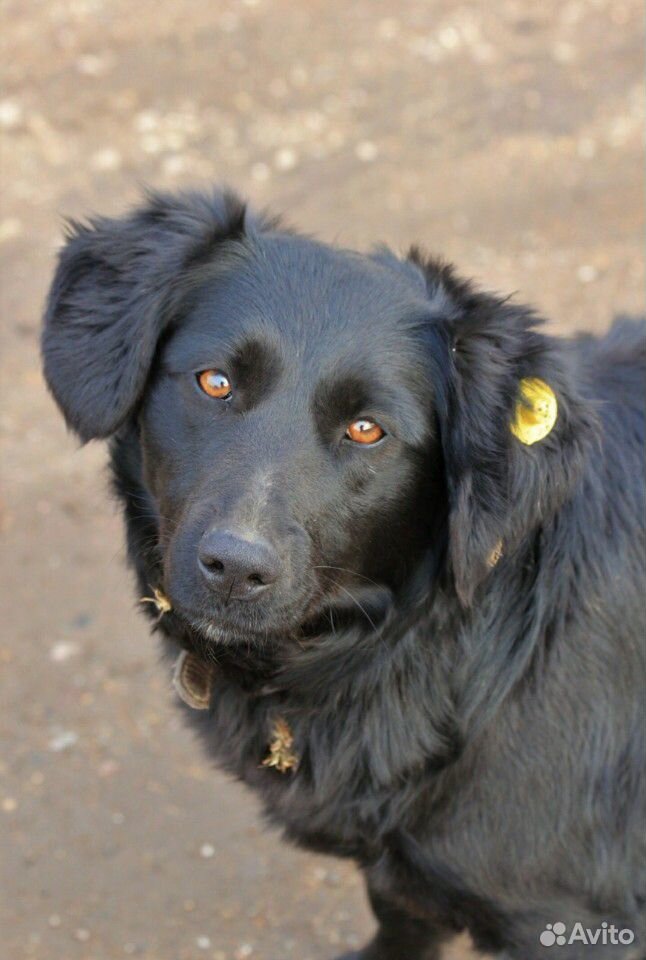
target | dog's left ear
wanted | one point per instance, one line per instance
(515, 432)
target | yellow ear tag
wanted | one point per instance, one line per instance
(536, 413)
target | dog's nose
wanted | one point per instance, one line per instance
(236, 568)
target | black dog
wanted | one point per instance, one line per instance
(399, 532)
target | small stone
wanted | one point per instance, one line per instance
(11, 114)
(118, 818)
(620, 130)
(10, 228)
(285, 159)
(60, 652)
(173, 165)
(244, 950)
(54, 921)
(449, 38)
(106, 159)
(203, 943)
(92, 64)
(366, 151)
(563, 52)
(63, 740)
(9, 804)
(146, 121)
(207, 850)
(427, 48)
(587, 273)
(82, 934)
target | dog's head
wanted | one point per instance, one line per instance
(318, 429)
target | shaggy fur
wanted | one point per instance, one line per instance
(471, 734)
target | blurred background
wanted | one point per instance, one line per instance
(506, 135)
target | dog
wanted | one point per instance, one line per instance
(393, 534)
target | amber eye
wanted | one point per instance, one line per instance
(214, 384)
(364, 431)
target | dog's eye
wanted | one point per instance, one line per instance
(214, 384)
(364, 431)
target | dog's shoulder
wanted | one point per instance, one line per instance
(615, 363)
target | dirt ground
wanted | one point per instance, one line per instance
(506, 135)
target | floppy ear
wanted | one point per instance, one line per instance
(112, 298)
(515, 432)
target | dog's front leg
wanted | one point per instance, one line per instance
(400, 935)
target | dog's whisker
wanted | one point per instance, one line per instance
(354, 600)
(362, 576)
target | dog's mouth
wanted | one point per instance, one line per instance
(323, 614)
(247, 624)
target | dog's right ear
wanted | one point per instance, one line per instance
(112, 297)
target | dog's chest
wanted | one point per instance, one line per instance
(311, 767)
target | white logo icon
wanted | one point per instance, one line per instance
(553, 933)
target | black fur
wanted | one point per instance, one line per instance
(471, 735)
